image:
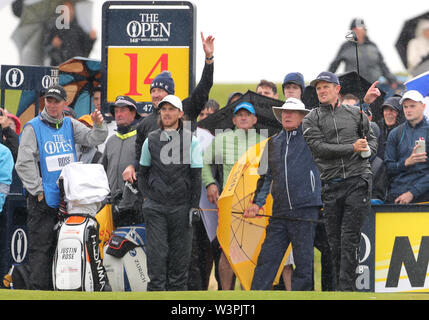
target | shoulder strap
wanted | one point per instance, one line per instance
(400, 133)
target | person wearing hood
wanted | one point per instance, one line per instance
(418, 49)
(47, 144)
(296, 189)
(119, 151)
(371, 61)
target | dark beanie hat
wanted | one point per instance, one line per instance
(163, 81)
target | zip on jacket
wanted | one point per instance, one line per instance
(288, 137)
(338, 139)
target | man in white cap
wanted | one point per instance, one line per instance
(295, 187)
(170, 180)
(407, 165)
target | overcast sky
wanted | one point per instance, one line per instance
(267, 39)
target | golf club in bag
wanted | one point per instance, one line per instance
(352, 37)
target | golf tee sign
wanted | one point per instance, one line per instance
(140, 39)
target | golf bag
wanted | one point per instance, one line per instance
(77, 263)
(125, 259)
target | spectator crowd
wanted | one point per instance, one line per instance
(329, 155)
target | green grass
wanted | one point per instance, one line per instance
(221, 91)
(207, 295)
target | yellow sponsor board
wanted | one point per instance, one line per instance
(130, 70)
(402, 252)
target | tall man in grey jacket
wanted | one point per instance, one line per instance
(331, 132)
(47, 144)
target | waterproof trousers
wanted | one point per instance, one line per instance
(168, 245)
(279, 234)
(42, 240)
(346, 204)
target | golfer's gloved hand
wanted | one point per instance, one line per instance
(194, 215)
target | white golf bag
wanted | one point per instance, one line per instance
(125, 259)
(77, 264)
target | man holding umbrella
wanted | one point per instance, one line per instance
(331, 132)
(295, 186)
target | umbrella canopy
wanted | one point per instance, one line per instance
(79, 76)
(241, 238)
(419, 83)
(222, 119)
(407, 33)
(352, 83)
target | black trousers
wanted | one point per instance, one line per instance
(42, 239)
(168, 245)
(345, 207)
(279, 234)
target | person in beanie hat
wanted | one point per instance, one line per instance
(163, 81)
(163, 85)
(293, 85)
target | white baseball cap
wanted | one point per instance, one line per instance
(173, 100)
(292, 104)
(412, 95)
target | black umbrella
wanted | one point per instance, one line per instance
(351, 83)
(407, 33)
(309, 98)
(222, 119)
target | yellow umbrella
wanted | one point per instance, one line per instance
(241, 238)
(106, 227)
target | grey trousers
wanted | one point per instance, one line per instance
(168, 245)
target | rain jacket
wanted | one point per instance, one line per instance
(170, 168)
(224, 151)
(400, 144)
(330, 134)
(27, 163)
(292, 172)
(6, 167)
(371, 62)
(119, 153)
(418, 48)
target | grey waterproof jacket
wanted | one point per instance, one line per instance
(330, 134)
(27, 165)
